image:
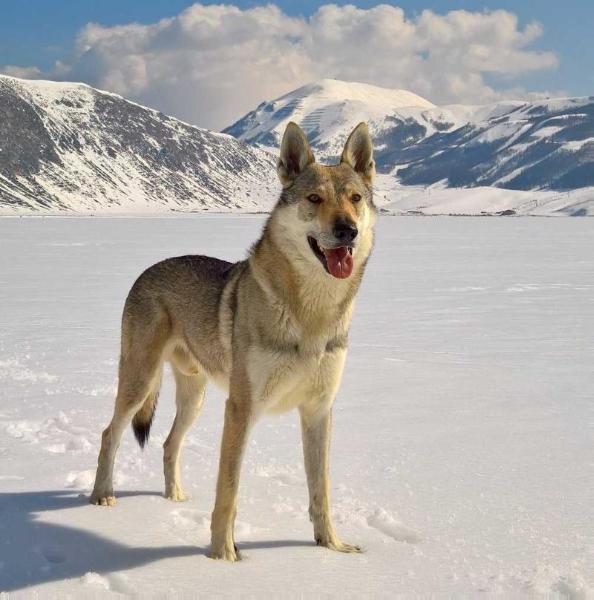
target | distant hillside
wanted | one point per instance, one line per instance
(69, 147)
(544, 145)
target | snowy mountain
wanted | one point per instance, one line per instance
(67, 146)
(547, 144)
(327, 111)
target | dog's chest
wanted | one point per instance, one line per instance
(294, 352)
(282, 379)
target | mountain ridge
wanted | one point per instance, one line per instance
(315, 107)
(71, 147)
(520, 145)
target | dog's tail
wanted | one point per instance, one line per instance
(143, 419)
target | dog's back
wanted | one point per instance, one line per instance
(186, 285)
(172, 313)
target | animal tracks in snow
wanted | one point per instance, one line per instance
(186, 518)
(282, 474)
(388, 525)
(350, 511)
(57, 434)
(14, 370)
(191, 519)
(94, 582)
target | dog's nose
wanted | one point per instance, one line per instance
(345, 231)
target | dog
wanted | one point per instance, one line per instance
(271, 329)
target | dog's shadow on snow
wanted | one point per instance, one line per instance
(33, 552)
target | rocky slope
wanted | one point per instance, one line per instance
(69, 147)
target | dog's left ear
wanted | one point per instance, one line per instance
(295, 154)
(358, 152)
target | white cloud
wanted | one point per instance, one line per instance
(22, 72)
(211, 64)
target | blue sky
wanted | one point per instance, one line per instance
(37, 33)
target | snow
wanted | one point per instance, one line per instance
(477, 113)
(396, 199)
(462, 451)
(319, 104)
(521, 143)
(88, 180)
(501, 130)
(329, 109)
(546, 132)
(576, 145)
(103, 163)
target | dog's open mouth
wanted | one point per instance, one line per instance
(337, 261)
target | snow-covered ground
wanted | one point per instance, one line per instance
(463, 447)
(437, 199)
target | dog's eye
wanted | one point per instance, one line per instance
(356, 198)
(314, 198)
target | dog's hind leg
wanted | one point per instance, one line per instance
(138, 388)
(189, 398)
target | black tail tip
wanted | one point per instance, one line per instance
(141, 432)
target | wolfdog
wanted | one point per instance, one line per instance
(271, 329)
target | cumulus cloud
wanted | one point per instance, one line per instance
(211, 64)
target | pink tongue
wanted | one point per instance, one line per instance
(340, 262)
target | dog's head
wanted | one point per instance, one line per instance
(327, 211)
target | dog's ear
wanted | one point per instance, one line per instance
(295, 154)
(358, 153)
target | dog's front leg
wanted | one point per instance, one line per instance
(315, 431)
(235, 432)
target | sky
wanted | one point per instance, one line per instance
(210, 63)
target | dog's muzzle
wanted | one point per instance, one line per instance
(337, 261)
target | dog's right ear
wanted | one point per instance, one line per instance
(295, 155)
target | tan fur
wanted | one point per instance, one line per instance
(271, 329)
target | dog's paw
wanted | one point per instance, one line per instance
(338, 546)
(101, 500)
(176, 494)
(228, 552)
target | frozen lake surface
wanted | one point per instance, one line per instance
(463, 446)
